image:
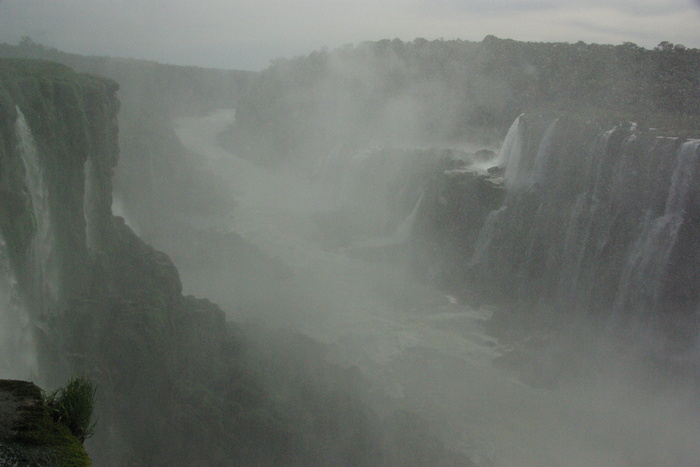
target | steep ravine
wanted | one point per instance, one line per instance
(431, 353)
(177, 383)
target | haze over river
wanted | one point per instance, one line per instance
(427, 350)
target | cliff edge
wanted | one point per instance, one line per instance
(28, 434)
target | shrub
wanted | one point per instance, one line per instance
(73, 405)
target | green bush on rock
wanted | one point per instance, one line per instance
(73, 405)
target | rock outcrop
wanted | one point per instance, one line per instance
(28, 434)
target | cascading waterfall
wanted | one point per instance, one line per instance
(404, 230)
(372, 186)
(43, 280)
(647, 264)
(512, 150)
(544, 155)
(330, 175)
(577, 235)
(88, 204)
(597, 223)
(18, 358)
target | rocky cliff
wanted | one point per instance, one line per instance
(595, 220)
(80, 293)
(59, 146)
(92, 297)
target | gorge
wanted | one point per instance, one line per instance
(431, 303)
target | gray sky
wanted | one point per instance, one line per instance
(247, 34)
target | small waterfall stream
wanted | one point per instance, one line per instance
(511, 151)
(89, 210)
(18, 358)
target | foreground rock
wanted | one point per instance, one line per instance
(28, 434)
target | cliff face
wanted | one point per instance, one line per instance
(59, 147)
(596, 221)
(93, 298)
(80, 293)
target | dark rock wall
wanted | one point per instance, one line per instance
(72, 119)
(596, 220)
(100, 300)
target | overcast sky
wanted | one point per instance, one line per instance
(247, 34)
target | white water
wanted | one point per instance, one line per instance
(648, 261)
(483, 241)
(17, 351)
(405, 229)
(18, 357)
(430, 353)
(544, 153)
(43, 275)
(511, 152)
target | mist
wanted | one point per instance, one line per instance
(462, 253)
(542, 394)
(433, 353)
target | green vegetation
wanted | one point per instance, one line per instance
(449, 92)
(179, 385)
(38, 439)
(73, 405)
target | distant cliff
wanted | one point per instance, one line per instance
(451, 92)
(595, 220)
(158, 180)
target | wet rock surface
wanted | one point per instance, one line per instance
(28, 435)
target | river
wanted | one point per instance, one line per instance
(429, 351)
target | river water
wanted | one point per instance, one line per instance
(430, 352)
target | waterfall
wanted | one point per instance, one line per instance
(18, 358)
(577, 240)
(329, 176)
(682, 178)
(544, 155)
(43, 282)
(405, 229)
(89, 196)
(603, 224)
(485, 237)
(522, 171)
(647, 264)
(511, 152)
